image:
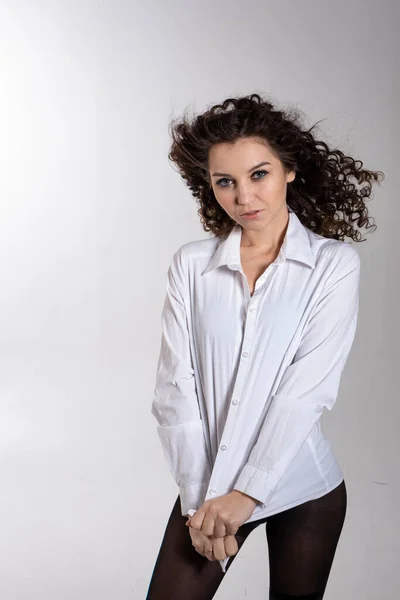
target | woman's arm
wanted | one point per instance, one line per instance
(310, 383)
(175, 404)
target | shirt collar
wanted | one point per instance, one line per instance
(296, 246)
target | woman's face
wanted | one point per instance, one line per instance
(246, 176)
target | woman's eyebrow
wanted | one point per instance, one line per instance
(252, 168)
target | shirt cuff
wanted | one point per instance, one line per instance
(256, 483)
(192, 496)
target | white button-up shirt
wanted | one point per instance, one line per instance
(242, 380)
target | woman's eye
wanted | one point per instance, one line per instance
(262, 172)
(220, 181)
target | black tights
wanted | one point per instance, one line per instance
(301, 546)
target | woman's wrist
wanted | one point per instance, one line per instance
(250, 498)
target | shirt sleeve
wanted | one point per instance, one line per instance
(175, 404)
(310, 383)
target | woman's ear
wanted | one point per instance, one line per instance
(290, 176)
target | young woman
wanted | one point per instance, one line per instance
(257, 325)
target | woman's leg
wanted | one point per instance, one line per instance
(180, 572)
(302, 543)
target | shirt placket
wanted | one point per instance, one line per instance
(245, 356)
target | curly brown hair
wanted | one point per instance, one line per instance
(322, 194)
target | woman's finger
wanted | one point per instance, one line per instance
(198, 540)
(219, 529)
(207, 527)
(219, 548)
(210, 554)
(231, 545)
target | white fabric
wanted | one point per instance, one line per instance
(242, 380)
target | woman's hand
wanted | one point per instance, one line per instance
(213, 548)
(222, 516)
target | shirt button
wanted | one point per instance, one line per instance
(252, 309)
(211, 491)
(245, 353)
(223, 447)
(174, 383)
(234, 401)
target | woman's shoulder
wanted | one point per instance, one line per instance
(334, 257)
(328, 248)
(195, 249)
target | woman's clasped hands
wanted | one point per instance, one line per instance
(214, 525)
(211, 547)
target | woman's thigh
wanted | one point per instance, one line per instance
(180, 572)
(302, 543)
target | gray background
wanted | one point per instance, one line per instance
(91, 213)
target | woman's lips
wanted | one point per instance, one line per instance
(253, 215)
